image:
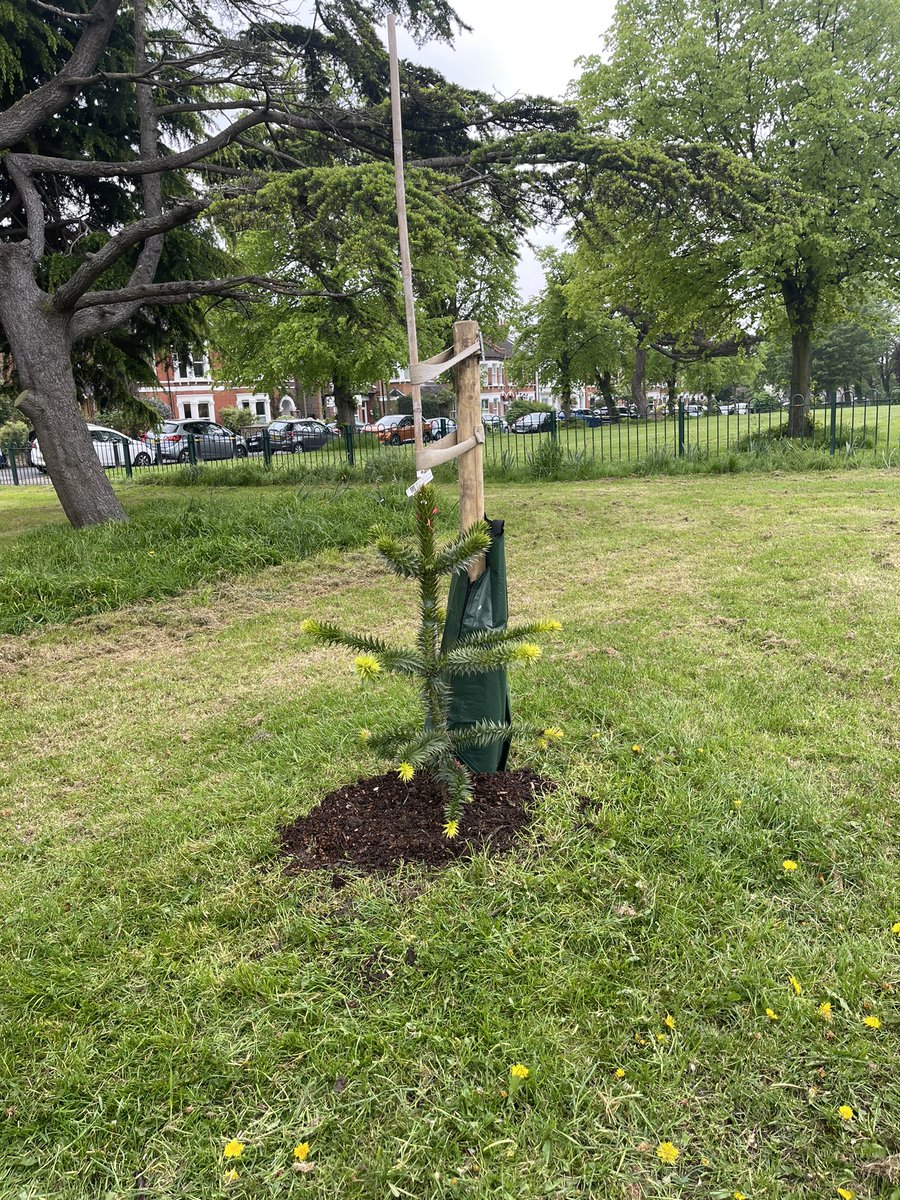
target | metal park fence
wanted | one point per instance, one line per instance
(867, 428)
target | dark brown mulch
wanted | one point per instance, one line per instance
(381, 822)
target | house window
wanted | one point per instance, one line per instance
(260, 408)
(203, 410)
(188, 411)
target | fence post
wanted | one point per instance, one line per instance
(12, 463)
(681, 429)
(348, 442)
(267, 448)
(192, 450)
(833, 436)
(554, 428)
(126, 449)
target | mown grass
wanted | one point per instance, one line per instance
(172, 541)
(167, 988)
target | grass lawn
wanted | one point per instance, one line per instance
(166, 988)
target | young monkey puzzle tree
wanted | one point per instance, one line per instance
(434, 749)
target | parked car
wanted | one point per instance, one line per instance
(439, 427)
(293, 436)
(397, 429)
(533, 422)
(694, 410)
(492, 422)
(109, 446)
(211, 441)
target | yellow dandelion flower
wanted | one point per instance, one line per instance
(550, 626)
(789, 864)
(700, 750)
(233, 1149)
(669, 1022)
(596, 736)
(704, 1162)
(737, 802)
(662, 1037)
(640, 1041)
(895, 928)
(871, 1022)
(620, 1072)
(406, 771)
(231, 1176)
(824, 1010)
(554, 734)
(527, 652)
(367, 665)
(666, 1152)
(739, 1196)
(795, 984)
(365, 734)
(772, 1014)
(636, 749)
(301, 1152)
(519, 1071)
(845, 1112)
(845, 1193)
(543, 743)
(451, 829)
(308, 626)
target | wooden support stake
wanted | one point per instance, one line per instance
(402, 229)
(467, 377)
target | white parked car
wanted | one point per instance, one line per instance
(109, 446)
(694, 410)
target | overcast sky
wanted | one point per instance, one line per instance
(517, 47)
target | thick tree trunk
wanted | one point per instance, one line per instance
(638, 384)
(42, 353)
(345, 404)
(801, 304)
(604, 387)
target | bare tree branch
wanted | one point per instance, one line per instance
(189, 289)
(35, 217)
(61, 12)
(28, 113)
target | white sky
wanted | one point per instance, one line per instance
(518, 47)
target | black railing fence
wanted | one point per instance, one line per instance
(868, 424)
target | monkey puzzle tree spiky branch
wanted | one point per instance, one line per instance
(434, 748)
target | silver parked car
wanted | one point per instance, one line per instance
(109, 446)
(211, 441)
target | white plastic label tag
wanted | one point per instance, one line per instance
(422, 477)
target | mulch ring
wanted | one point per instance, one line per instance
(379, 823)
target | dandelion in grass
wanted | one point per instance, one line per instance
(669, 1021)
(451, 829)
(543, 744)
(845, 1193)
(824, 1010)
(795, 984)
(871, 1022)
(620, 1072)
(636, 749)
(662, 1037)
(704, 1162)
(554, 734)
(895, 928)
(845, 1112)
(231, 1176)
(737, 802)
(406, 771)
(301, 1152)
(367, 665)
(772, 1014)
(667, 1153)
(789, 864)
(549, 626)
(700, 750)
(739, 1196)
(365, 734)
(519, 1071)
(233, 1149)
(596, 736)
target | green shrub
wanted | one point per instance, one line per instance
(13, 433)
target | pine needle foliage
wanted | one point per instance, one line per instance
(433, 748)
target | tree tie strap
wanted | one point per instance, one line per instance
(430, 368)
